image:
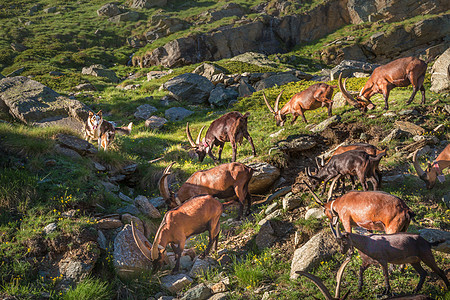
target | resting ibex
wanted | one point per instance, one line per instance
(231, 127)
(398, 73)
(195, 216)
(315, 96)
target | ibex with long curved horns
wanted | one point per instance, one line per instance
(398, 73)
(434, 170)
(222, 181)
(315, 96)
(199, 214)
(231, 127)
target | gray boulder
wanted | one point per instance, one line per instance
(440, 74)
(131, 16)
(297, 143)
(189, 87)
(245, 89)
(348, 67)
(266, 236)
(208, 70)
(35, 104)
(221, 96)
(108, 10)
(340, 101)
(228, 10)
(314, 212)
(148, 3)
(82, 147)
(325, 124)
(433, 235)
(175, 283)
(100, 71)
(319, 248)
(263, 177)
(198, 292)
(277, 79)
(142, 203)
(155, 122)
(144, 111)
(201, 266)
(177, 113)
(128, 260)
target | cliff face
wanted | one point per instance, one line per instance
(269, 34)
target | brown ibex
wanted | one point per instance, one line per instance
(199, 214)
(315, 96)
(434, 169)
(231, 127)
(398, 73)
(372, 210)
(222, 181)
(397, 248)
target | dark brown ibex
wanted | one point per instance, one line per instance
(434, 170)
(195, 216)
(231, 127)
(398, 73)
(315, 96)
(222, 181)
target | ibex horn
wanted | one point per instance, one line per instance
(189, 136)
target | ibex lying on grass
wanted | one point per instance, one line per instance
(326, 293)
(352, 162)
(195, 216)
(398, 73)
(223, 181)
(398, 248)
(434, 170)
(315, 96)
(370, 210)
(231, 127)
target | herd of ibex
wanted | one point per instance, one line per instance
(195, 208)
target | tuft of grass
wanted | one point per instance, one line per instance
(89, 288)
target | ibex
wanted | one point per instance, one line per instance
(397, 248)
(315, 96)
(434, 169)
(199, 214)
(231, 127)
(399, 73)
(372, 210)
(223, 181)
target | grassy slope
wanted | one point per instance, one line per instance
(33, 195)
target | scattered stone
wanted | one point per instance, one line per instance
(75, 143)
(201, 266)
(16, 72)
(109, 223)
(110, 187)
(157, 74)
(100, 71)
(74, 269)
(291, 202)
(155, 122)
(434, 235)
(117, 178)
(157, 202)
(148, 3)
(125, 198)
(440, 74)
(50, 10)
(446, 200)
(167, 100)
(266, 236)
(314, 212)
(219, 296)
(276, 80)
(320, 247)
(271, 208)
(186, 262)
(127, 219)
(407, 112)
(128, 260)
(325, 124)
(208, 70)
(219, 287)
(409, 127)
(175, 283)
(85, 87)
(131, 16)
(67, 152)
(275, 134)
(130, 209)
(389, 114)
(144, 111)
(273, 215)
(18, 47)
(198, 292)
(101, 240)
(177, 113)
(340, 101)
(221, 96)
(348, 67)
(129, 169)
(108, 10)
(263, 177)
(297, 143)
(395, 134)
(50, 228)
(190, 88)
(142, 203)
(50, 162)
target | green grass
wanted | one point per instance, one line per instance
(89, 288)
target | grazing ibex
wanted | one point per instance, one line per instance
(195, 216)
(231, 127)
(352, 162)
(315, 96)
(434, 170)
(398, 73)
(326, 293)
(398, 248)
(223, 181)
(370, 210)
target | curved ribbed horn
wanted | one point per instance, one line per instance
(339, 277)
(199, 136)
(156, 245)
(314, 194)
(267, 103)
(333, 183)
(278, 100)
(189, 136)
(143, 246)
(164, 185)
(338, 230)
(419, 170)
(346, 94)
(318, 283)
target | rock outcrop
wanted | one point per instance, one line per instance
(440, 74)
(190, 88)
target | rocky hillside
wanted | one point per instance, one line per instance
(66, 206)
